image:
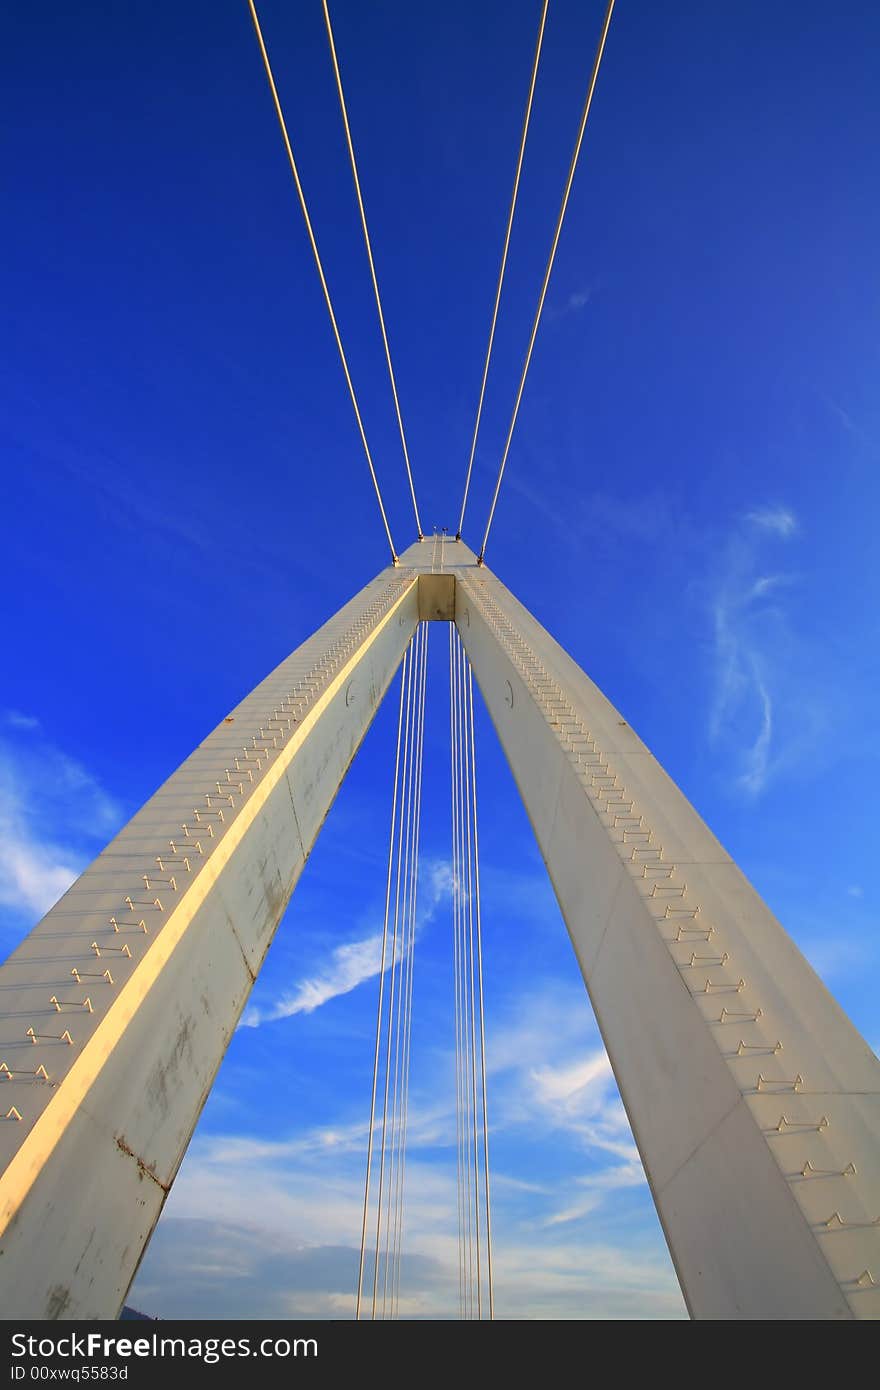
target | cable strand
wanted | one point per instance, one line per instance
(391, 992)
(412, 941)
(455, 976)
(360, 1286)
(368, 244)
(406, 828)
(471, 981)
(489, 1272)
(543, 295)
(320, 268)
(513, 197)
(467, 993)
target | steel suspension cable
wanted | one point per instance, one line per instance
(391, 1208)
(405, 976)
(357, 189)
(320, 268)
(469, 947)
(456, 970)
(467, 1002)
(395, 1021)
(463, 1014)
(406, 744)
(489, 1273)
(381, 993)
(503, 266)
(407, 1052)
(555, 243)
(475, 1233)
(394, 1025)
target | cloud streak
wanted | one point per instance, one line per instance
(581, 1097)
(46, 798)
(776, 519)
(14, 719)
(349, 966)
(352, 963)
(267, 1225)
(755, 711)
(575, 303)
(757, 757)
(595, 1189)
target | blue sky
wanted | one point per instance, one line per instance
(690, 507)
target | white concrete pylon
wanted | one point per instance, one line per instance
(134, 982)
(753, 1100)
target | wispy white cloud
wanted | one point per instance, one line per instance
(33, 876)
(578, 300)
(549, 1028)
(212, 1267)
(757, 757)
(835, 957)
(767, 583)
(14, 719)
(275, 1234)
(843, 416)
(775, 518)
(428, 1126)
(602, 519)
(561, 1086)
(593, 1190)
(348, 967)
(581, 1097)
(574, 303)
(550, 1074)
(265, 1225)
(351, 963)
(46, 800)
(762, 709)
(856, 890)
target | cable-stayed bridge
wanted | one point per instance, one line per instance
(754, 1102)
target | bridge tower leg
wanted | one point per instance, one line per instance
(133, 983)
(754, 1102)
